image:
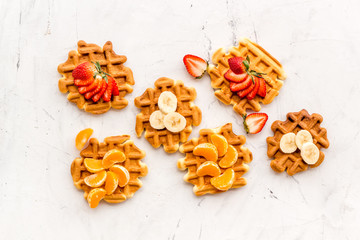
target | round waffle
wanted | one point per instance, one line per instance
(191, 162)
(147, 102)
(132, 163)
(296, 121)
(261, 61)
(110, 63)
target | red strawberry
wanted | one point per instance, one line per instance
(254, 123)
(84, 71)
(253, 92)
(246, 91)
(80, 83)
(89, 88)
(262, 88)
(90, 94)
(195, 66)
(233, 77)
(115, 91)
(236, 65)
(108, 92)
(235, 87)
(98, 95)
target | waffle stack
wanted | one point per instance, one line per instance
(261, 61)
(147, 102)
(191, 162)
(296, 121)
(132, 163)
(110, 63)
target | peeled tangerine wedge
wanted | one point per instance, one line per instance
(230, 157)
(96, 179)
(224, 181)
(122, 173)
(206, 150)
(82, 137)
(113, 156)
(93, 165)
(220, 143)
(111, 183)
(208, 168)
(95, 196)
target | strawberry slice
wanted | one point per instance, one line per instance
(80, 82)
(84, 71)
(115, 91)
(253, 92)
(236, 65)
(89, 88)
(233, 77)
(98, 95)
(262, 88)
(108, 92)
(235, 87)
(90, 94)
(255, 122)
(195, 66)
(246, 91)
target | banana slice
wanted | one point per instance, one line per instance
(302, 137)
(310, 153)
(174, 122)
(157, 120)
(167, 102)
(287, 143)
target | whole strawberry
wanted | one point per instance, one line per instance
(84, 71)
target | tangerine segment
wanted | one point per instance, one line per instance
(111, 183)
(208, 168)
(230, 157)
(113, 156)
(220, 143)
(206, 150)
(82, 137)
(96, 179)
(95, 196)
(93, 165)
(224, 181)
(122, 173)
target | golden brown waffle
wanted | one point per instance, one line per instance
(261, 61)
(147, 102)
(296, 121)
(110, 63)
(191, 162)
(132, 163)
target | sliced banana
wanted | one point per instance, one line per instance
(174, 122)
(310, 153)
(287, 143)
(157, 120)
(302, 137)
(167, 102)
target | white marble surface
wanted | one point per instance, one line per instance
(317, 42)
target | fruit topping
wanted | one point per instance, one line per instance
(224, 181)
(82, 137)
(93, 165)
(122, 173)
(310, 153)
(111, 182)
(167, 102)
(287, 143)
(209, 168)
(236, 65)
(195, 66)
(157, 120)
(255, 89)
(95, 196)
(233, 77)
(230, 157)
(262, 87)
(96, 179)
(220, 143)
(84, 71)
(113, 156)
(235, 87)
(302, 137)
(175, 122)
(254, 123)
(206, 150)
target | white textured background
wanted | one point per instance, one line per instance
(317, 41)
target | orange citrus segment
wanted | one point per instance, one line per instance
(96, 179)
(111, 182)
(113, 156)
(220, 143)
(224, 181)
(93, 165)
(208, 168)
(206, 150)
(82, 137)
(230, 157)
(122, 173)
(95, 196)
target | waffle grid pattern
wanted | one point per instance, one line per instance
(191, 162)
(296, 121)
(110, 63)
